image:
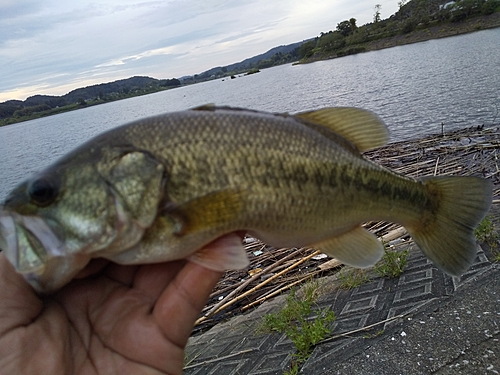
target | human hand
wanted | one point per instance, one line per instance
(120, 320)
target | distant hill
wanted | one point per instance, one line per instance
(103, 91)
(275, 56)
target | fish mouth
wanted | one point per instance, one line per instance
(29, 244)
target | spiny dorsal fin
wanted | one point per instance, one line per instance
(362, 127)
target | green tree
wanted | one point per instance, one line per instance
(352, 21)
(344, 28)
(469, 7)
(8, 109)
(331, 42)
(173, 82)
(362, 35)
(306, 49)
(409, 26)
(376, 15)
(402, 3)
(489, 6)
(264, 63)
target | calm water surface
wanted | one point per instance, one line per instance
(413, 88)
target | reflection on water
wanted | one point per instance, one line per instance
(414, 88)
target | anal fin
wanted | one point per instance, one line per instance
(357, 247)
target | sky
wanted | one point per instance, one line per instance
(51, 47)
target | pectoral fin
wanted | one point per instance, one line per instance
(357, 247)
(216, 210)
(222, 254)
(214, 214)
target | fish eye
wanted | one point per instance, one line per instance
(43, 191)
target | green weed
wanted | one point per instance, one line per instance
(294, 369)
(352, 278)
(293, 321)
(486, 233)
(392, 263)
(372, 335)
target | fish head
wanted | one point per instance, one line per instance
(85, 206)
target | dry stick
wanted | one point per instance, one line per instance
(394, 234)
(492, 174)
(362, 329)
(244, 283)
(280, 290)
(292, 278)
(219, 359)
(280, 283)
(241, 296)
(217, 308)
(220, 306)
(221, 291)
(436, 167)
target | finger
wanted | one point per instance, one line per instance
(180, 305)
(19, 304)
(152, 279)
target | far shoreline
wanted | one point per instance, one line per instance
(442, 30)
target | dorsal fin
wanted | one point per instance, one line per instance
(361, 127)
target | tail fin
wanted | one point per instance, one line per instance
(448, 240)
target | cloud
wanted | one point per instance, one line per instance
(53, 46)
(16, 8)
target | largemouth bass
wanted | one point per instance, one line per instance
(162, 188)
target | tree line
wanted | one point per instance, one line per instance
(348, 38)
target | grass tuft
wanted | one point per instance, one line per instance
(352, 278)
(486, 233)
(294, 321)
(392, 263)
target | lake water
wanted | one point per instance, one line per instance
(414, 88)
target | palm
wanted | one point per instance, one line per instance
(125, 320)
